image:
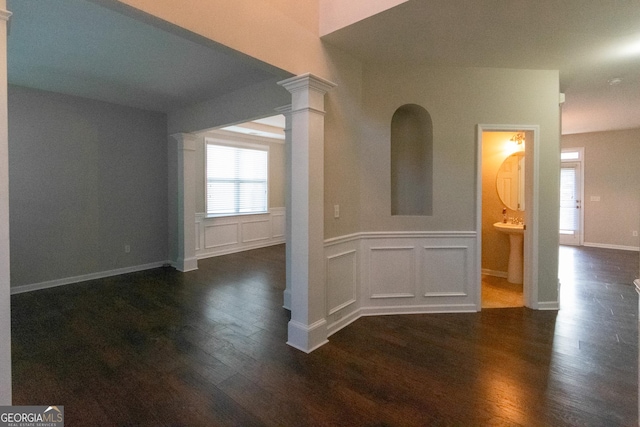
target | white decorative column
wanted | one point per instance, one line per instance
(286, 111)
(182, 201)
(5, 297)
(308, 326)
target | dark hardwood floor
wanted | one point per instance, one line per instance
(207, 348)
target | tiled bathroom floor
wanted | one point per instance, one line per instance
(498, 293)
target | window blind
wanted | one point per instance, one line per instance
(236, 180)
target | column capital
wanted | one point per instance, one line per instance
(284, 110)
(307, 92)
(186, 141)
(307, 81)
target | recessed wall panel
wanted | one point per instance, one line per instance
(341, 280)
(392, 272)
(444, 271)
(256, 230)
(220, 235)
(278, 226)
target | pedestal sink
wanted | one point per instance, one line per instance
(516, 260)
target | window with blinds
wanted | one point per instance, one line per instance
(237, 180)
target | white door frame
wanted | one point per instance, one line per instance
(580, 161)
(532, 171)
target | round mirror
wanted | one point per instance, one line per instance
(510, 181)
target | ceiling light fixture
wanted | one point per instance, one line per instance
(614, 81)
(631, 48)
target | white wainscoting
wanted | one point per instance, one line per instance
(228, 234)
(400, 273)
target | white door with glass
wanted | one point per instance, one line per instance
(570, 203)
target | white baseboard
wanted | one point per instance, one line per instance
(244, 248)
(606, 246)
(82, 278)
(548, 305)
(307, 338)
(343, 323)
(427, 309)
(494, 273)
(391, 311)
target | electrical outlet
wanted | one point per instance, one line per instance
(336, 211)
(634, 233)
(595, 198)
(127, 249)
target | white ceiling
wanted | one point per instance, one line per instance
(84, 49)
(81, 48)
(589, 41)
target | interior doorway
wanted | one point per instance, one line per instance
(491, 210)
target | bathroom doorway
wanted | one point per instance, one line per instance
(506, 216)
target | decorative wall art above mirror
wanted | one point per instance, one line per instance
(510, 182)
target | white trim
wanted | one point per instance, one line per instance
(185, 264)
(607, 246)
(85, 277)
(418, 309)
(241, 242)
(580, 161)
(232, 140)
(459, 298)
(5, 15)
(364, 235)
(354, 278)
(386, 296)
(343, 239)
(548, 305)
(494, 273)
(286, 299)
(343, 322)
(229, 137)
(532, 151)
(307, 338)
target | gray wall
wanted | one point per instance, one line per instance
(611, 172)
(86, 178)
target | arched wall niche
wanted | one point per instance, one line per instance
(411, 161)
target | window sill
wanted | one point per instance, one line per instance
(208, 216)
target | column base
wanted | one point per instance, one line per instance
(185, 265)
(307, 337)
